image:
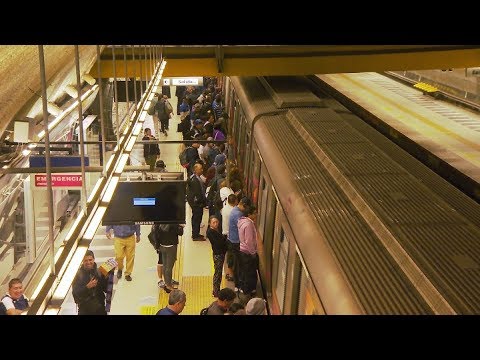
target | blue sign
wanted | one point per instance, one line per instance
(57, 161)
(144, 201)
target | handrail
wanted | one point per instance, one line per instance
(74, 240)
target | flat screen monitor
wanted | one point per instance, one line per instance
(147, 202)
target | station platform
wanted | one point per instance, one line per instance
(445, 136)
(193, 268)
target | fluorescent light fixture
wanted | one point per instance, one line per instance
(46, 274)
(93, 226)
(52, 311)
(137, 129)
(5, 167)
(72, 91)
(121, 164)
(26, 152)
(89, 79)
(32, 146)
(74, 226)
(67, 278)
(53, 109)
(148, 103)
(95, 189)
(65, 112)
(110, 162)
(110, 189)
(143, 116)
(119, 143)
(131, 143)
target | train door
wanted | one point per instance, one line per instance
(280, 267)
(266, 225)
(254, 174)
(306, 302)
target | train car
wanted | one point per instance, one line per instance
(348, 223)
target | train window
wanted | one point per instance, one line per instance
(263, 208)
(281, 278)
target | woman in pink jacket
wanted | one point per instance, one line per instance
(247, 233)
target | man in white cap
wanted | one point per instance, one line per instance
(256, 306)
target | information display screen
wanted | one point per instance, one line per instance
(147, 202)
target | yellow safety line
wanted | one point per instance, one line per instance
(416, 115)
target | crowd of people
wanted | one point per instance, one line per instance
(231, 223)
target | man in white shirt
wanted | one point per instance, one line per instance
(226, 210)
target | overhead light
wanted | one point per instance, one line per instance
(121, 164)
(95, 189)
(52, 311)
(26, 152)
(137, 129)
(110, 189)
(74, 226)
(4, 167)
(131, 143)
(72, 91)
(67, 278)
(32, 146)
(143, 116)
(65, 112)
(89, 79)
(93, 226)
(53, 109)
(110, 162)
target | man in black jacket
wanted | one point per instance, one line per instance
(166, 238)
(89, 287)
(150, 151)
(197, 201)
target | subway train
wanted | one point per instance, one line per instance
(348, 222)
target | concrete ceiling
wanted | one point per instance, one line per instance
(19, 69)
(266, 60)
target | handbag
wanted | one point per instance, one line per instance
(152, 239)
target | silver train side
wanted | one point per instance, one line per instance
(344, 226)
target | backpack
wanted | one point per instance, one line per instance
(183, 158)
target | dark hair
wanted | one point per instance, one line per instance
(89, 253)
(232, 199)
(13, 282)
(249, 210)
(235, 307)
(246, 202)
(226, 294)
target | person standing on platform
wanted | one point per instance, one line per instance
(176, 303)
(150, 151)
(234, 240)
(248, 257)
(89, 287)
(125, 239)
(197, 200)
(219, 248)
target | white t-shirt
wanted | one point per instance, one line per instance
(224, 192)
(226, 210)
(8, 302)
